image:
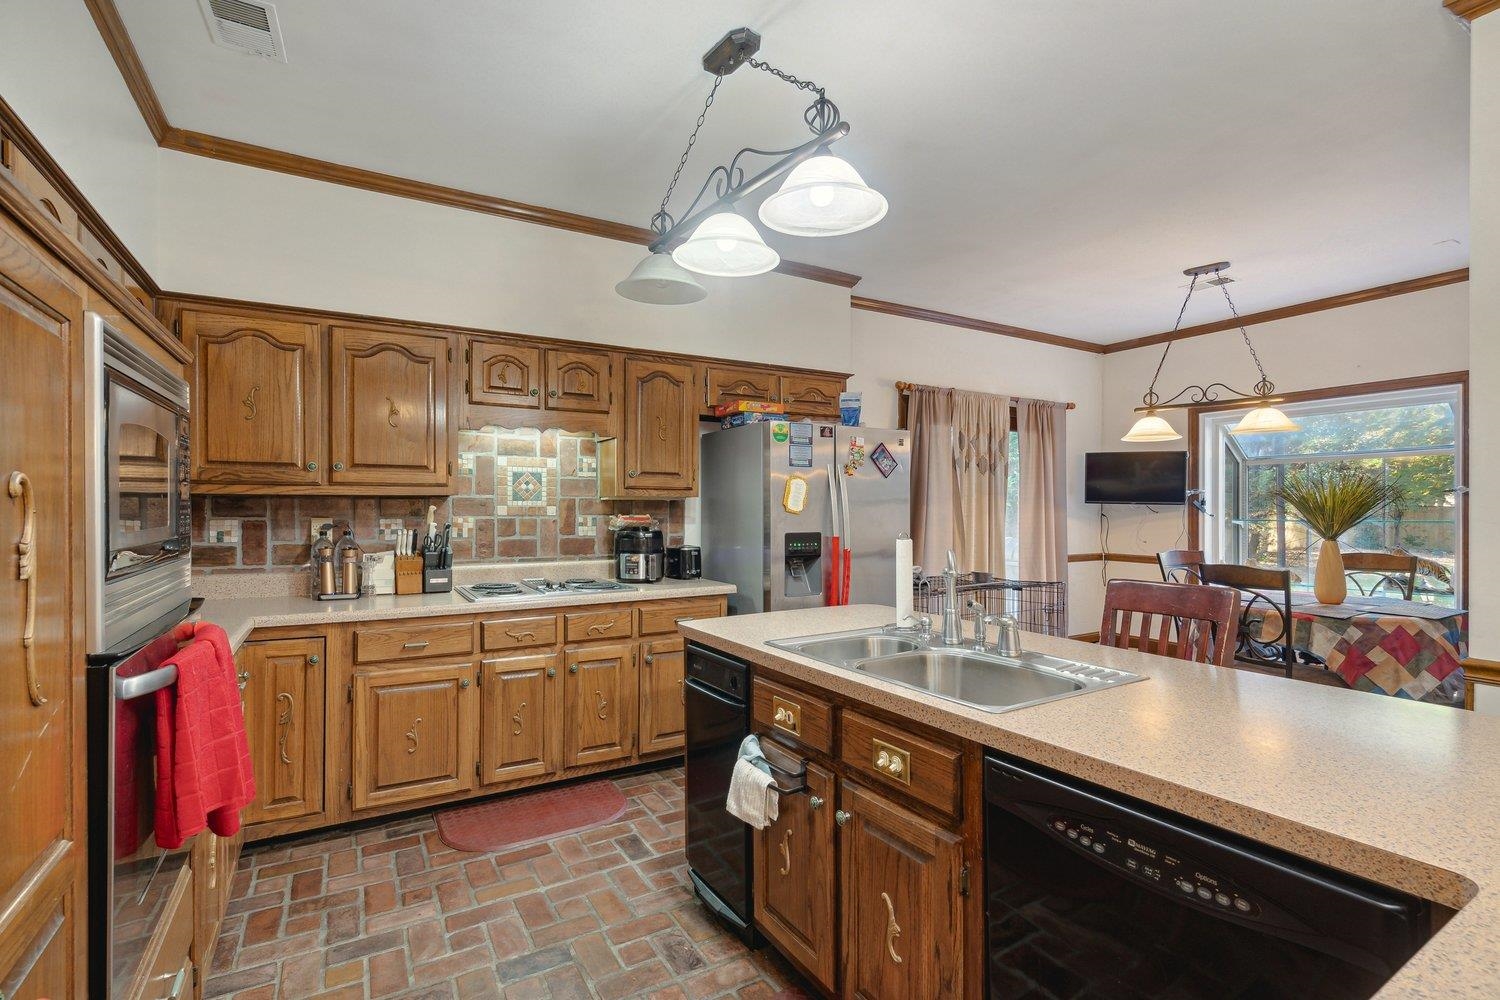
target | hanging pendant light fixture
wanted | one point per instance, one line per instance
(822, 195)
(1263, 418)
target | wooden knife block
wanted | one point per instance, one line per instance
(408, 574)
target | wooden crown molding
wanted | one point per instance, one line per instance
(1298, 309)
(970, 323)
(117, 40)
(1471, 9)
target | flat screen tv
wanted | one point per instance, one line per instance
(1145, 477)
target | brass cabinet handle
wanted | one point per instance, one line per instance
(423, 644)
(649, 658)
(785, 715)
(338, 466)
(521, 635)
(551, 671)
(20, 486)
(314, 659)
(464, 683)
(603, 704)
(312, 466)
(891, 760)
(515, 720)
(786, 852)
(599, 628)
(535, 391)
(573, 669)
(892, 929)
(284, 723)
(551, 393)
(413, 735)
(633, 473)
(249, 402)
(841, 817)
(815, 801)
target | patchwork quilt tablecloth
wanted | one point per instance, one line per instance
(1389, 647)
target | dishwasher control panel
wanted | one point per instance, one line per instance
(1142, 860)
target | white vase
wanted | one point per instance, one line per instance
(1329, 584)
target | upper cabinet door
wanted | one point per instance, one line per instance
(812, 395)
(660, 440)
(727, 383)
(504, 374)
(390, 413)
(578, 380)
(257, 400)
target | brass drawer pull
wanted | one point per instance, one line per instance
(599, 628)
(20, 487)
(786, 852)
(892, 929)
(786, 715)
(891, 761)
(284, 723)
(423, 644)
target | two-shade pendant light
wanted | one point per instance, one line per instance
(822, 195)
(1264, 417)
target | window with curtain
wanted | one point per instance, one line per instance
(1412, 438)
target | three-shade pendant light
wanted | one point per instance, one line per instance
(822, 195)
(1263, 418)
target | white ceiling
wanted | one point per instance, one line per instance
(1049, 165)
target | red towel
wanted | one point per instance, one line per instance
(203, 772)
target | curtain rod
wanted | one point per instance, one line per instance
(905, 389)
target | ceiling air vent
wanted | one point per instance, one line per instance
(245, 26)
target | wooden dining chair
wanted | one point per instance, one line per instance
(1392, 571)
(1262, 590)
(1181, 620)
(1181, 565)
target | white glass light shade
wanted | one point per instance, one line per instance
(658, 280)
(1265, 420)
(726, 246)
(823, 196)
(1150, 427)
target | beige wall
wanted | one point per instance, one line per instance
(58, 76)
(1484, 336)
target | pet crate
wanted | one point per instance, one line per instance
(1036, 605)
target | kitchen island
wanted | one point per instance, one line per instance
(1399, 793)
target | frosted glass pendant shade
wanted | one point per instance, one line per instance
(726, 246)
(1265, 420)
(658, 280)
(823, 196)
(1150, 427)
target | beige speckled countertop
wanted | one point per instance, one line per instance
(1402, 793)
(240, 616)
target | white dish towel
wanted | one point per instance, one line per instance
(752, 796)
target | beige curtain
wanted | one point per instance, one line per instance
(1044, 515)
(958, 478)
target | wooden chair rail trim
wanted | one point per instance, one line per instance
(1117, 557)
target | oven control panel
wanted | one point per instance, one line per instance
(1144, 861)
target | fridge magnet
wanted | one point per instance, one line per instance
(884, 460)
(794, 497)
(779, 431)
(799, 452)
(857, 456)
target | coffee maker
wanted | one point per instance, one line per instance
(639, 555)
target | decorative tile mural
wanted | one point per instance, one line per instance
(519, 494)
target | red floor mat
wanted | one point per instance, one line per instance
(529, 817)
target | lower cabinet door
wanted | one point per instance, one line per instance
(415, 730)
(599, 704)
(663, 697)
(903, 916)
(38, 957)
(281, 684)
(521, 729)
(794, 878)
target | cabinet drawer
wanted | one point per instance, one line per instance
(662, 619)
(592, 626)
(802, 717)
(518, 633)
(409, 642)
(927, 771)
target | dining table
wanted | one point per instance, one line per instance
(1407, 649)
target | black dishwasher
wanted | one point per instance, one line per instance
(1090, 894)
(717, 693)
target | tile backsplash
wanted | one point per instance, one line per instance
(519, 494)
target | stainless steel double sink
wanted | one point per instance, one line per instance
(980, 679)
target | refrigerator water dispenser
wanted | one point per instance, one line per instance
(802, 551)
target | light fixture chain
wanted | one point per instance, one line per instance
(1151, 398)
(661, 221)
(1264, 381)
(789, 78)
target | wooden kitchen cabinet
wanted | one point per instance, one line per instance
(599, 703)
(794, 878)
(727, 383)
(503, 374)
(282, 685)
(663, 695)
(39, 959)
(579, 380)
(510, 382)
(388, 418)
(805, 394)
(415, 733)
(258, 399)
(521, 721)
(902, 908)
(656, 453)
(816, 396)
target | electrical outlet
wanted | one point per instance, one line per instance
(313, 527)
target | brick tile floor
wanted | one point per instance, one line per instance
(390, 911)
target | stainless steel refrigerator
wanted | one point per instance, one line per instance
(767, 517)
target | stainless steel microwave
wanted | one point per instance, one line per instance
(139, 518)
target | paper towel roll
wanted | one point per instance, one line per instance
(903, 579)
